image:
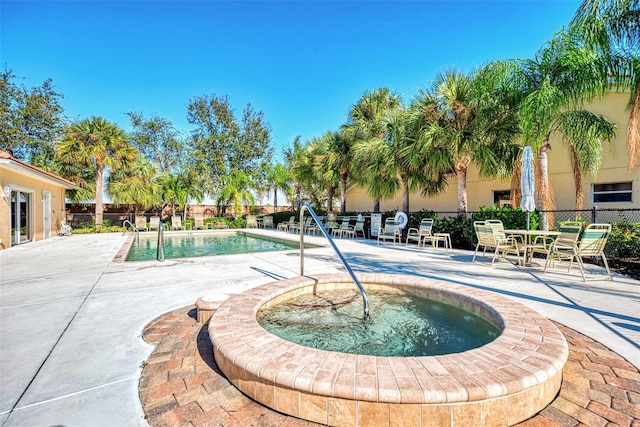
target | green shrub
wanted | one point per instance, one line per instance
(624, 241)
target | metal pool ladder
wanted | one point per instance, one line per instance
(133, 227)
(160, 246)
(307, 206)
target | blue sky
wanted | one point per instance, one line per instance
(302, 63)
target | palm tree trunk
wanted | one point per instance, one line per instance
(275, 199)
(633, 131)
(405, 196)
(99, 190)
(376, 206)
(461, 175)
(330, 191)
(577, 177)
(343, 193)
(544, 192)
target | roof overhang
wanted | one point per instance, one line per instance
(11, 163)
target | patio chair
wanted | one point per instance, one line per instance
(267, 222)
(391, 231)
(252, 221)
(330, 223)
(284, 225)
(310, 226)
(490, 234)
(154, 222)
(592, 244)
(569, 234)
(65, 228)
(220, 223)
(359, 228)
(141, 222)
(198, 223)
(343, 228)
(176, 222)
(422, 234)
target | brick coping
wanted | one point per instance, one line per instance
(507, 380)
(180, 383)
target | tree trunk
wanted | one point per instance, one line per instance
(376, 206)
(330, 191)
(633, 131)
(99, 190)
(577, 177)
(544, 193)
(461, 175)
(275, 199)
(405, 197)
(343, 193)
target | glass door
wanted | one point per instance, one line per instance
(21, 217)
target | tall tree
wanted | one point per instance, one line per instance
(135, 187)
(158, 141)
(101, 144)
(31, 117)
(613, 27)
(279, 178)
(222, 143)
(322, 171)
(339, 161)
(554, 84)
(237, 191)
(465, 122)
(366, 124)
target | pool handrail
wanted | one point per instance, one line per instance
(307, 206)
(135, 229)
(160, 246)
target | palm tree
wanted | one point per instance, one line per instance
(554, 84)
(279, 178)
(323, 172)
(236, 190)
(613, 27)
(339, 159)
(465, 120)
(135, 187)
(173, 190)
(396, 161)
(101, 144)
(366, 124)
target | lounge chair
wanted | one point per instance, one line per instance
(65, 228)
(154, 223)
(252, 221)
(284, 226)
(343, 229)
(592, 244)
(422, 234)
(141, 222)
(359, 228)
(391, 231)
(198, 223)
(220, 223)
(176, 223)
(267, 222)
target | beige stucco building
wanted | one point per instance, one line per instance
(615, 186)
(32, 202)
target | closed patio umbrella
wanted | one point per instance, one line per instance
(527, 182)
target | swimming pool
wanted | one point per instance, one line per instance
(197, 244)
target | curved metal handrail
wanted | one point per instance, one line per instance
(160, 247)
(335, 248)
(135, 229)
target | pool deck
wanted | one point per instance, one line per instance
(71, 320)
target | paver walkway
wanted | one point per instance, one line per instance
(182, 386)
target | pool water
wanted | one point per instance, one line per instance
(400, 324)
(198, 244)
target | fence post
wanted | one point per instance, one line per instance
(594, 214)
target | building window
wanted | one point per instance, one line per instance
(501, 198)
(611, 193)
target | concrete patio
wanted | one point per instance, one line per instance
(71, 320)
